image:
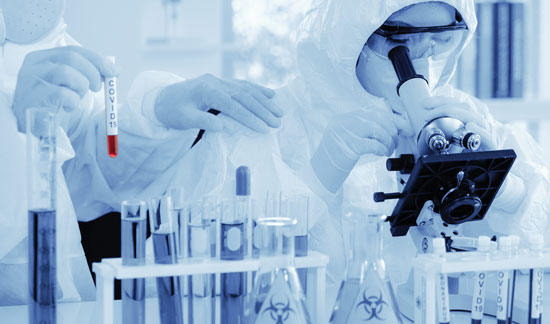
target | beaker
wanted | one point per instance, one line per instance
(133, 235)
(41, 188)
(201, 303)
(366, 294)
(276, 296)
(163, 229)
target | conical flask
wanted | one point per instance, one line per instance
(366, 294)
(276, 297)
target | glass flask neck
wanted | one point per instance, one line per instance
(367, 240)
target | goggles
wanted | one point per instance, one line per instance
(436, 41)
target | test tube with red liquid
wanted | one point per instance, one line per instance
(111, 114)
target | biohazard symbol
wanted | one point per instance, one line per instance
(373, 306)
(279, 311)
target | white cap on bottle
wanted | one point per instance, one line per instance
(439, 246)
(505, 244)
(483, 243)
(514, 239)
(537, 242)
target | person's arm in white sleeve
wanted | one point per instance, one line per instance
(158, 124)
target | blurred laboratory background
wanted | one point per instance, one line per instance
(506, 65)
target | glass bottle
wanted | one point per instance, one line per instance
(366, 294)
(276, 297)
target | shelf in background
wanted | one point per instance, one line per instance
(506, 110)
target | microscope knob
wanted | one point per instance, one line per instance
(403, 164)
(471, 142)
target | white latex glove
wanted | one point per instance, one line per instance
(58, 77)
(475, 118)
(184, 105)
(348, 137)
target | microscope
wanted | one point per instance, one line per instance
(447, 182)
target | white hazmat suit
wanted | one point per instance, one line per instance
(331, 39)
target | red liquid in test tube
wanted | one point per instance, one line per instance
(111, 115)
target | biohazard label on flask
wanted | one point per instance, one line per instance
(279, 306)
(372, 304)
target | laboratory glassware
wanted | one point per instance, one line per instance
(41, 186)
(233, 247)
(111, 113)
(366, 294)
(163, 229)
(276, 296)
(133, 235)
(297, 207)
(201, 303)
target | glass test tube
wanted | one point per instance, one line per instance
(233, 247)
(201, 301)
(133, 235)
(41, 186)
(297, 207)
(164, 244)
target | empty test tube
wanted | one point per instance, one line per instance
(503, 281)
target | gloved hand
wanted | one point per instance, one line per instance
(475, 117)
(348, 137)
(184, 105)
(58, 77)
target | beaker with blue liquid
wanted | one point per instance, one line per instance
(366, 294)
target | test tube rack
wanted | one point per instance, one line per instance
(427, 268)
(111, 268)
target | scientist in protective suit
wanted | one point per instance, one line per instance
(343, 118)
(42, 66)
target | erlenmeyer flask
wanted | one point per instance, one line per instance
(366, 294)
(276, 297)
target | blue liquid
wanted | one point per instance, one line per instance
(201, 299)
(255, 241)
(232, 297)
(133, 301)
(213, 238)
(301, 247)
(168, 288)
(133, 253)
(42, 267)
(233, 247)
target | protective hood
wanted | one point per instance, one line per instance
(333, 35)
(27, 21)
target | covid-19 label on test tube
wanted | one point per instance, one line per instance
(111, 114)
